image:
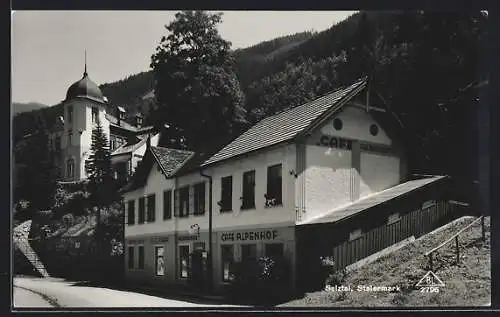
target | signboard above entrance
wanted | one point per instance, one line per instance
(250, 235)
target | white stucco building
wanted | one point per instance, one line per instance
(71, 133)
(287, 171)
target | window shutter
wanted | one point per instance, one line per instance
(191, 208)
(176, 202)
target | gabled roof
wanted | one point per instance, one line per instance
(169, 161)
(130, 146)
(373, 200)
(288, 124)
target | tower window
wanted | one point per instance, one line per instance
(70, 137)
(70, 114)
(70, 168)
(95, 115)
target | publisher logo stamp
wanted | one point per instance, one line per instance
(430, 283)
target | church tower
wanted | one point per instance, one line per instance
(84, 106)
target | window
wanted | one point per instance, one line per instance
(184, 202)
(356, 234)
(167, 204)
(274, 250)
(131, 212)
(374, 129)
(226, 199)
(199, 199)
(151, 208)
(131, 257)
(248, 199)
(184, 261)
(70, 114)
(70, 168)
(273, 196)
(70, 137)
(227, 257)
(393, 218)
(95, 115)
(58, 143)
(141, 257)
(112, 143)
(160, 263)
(337, 124)
(141, 210)
(248, 252)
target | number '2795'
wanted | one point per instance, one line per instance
(429, 289)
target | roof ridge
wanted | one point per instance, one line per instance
(326, 94)
(171, 149)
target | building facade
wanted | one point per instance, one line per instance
(285, 172)
(70, 137)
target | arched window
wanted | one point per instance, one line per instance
(70, 167)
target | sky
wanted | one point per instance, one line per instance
(48, 47)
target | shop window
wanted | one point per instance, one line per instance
(141, 257)
(227, 257)
(131, 212)
(274, 250)
(167, 204)
(248, 252)
(141, 210)
(248, 199)
(226, 199)
(184, 261)
(159, 261)
(130, 254)
(95, 115)
(274, 186)
(199, 199)
(151, 208)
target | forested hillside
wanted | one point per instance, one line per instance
(423, 67)
(19, 107)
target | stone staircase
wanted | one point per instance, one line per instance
(21, 243)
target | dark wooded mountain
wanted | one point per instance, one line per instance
(19, 107)
(423, 67)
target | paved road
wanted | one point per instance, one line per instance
(66, 294)
(27, 299)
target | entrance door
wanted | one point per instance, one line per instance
(199, 266)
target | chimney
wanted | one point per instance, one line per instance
(138, 119)
(120, 114)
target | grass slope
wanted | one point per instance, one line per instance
(466, 284)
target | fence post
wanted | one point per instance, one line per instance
(458, 251)
(483, 232)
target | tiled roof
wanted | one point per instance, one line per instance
(123, 124)
(288, 124)
(373, 200)
(129, 147)
(170, 160)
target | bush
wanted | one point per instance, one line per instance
(261, 279)
(330, 275)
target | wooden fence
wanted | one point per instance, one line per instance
(430, 253)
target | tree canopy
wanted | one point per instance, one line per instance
(197, 90)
